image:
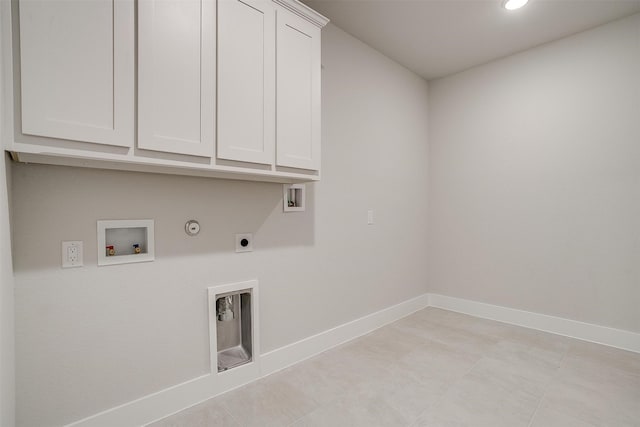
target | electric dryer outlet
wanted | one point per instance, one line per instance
(244, 242)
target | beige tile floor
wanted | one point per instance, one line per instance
(438, 368)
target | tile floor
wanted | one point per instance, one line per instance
(438, 368)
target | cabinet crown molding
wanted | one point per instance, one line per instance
(304, 11)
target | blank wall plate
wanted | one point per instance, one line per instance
(72, 254)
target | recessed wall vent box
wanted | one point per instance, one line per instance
(125, 241)
(293, 197)
(233, 332)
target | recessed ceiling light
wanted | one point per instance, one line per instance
(514, 4)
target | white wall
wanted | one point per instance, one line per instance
(7, 342)
(534, 179)
(92, 338)
(7, 347)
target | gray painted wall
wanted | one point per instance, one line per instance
(534, 179)
(534, 203)
(7, 338)
(92, 338)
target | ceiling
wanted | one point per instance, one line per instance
(435, 38)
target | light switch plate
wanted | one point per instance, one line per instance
(72, 255)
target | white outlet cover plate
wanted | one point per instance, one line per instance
(72, 254)
(239, 247)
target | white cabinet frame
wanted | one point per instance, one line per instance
(177, 76)
(298, 92)
(77, 70)
(246, 81)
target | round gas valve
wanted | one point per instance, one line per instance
(192, 227)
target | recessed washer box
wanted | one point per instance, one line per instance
(125, 241)
(233, 327)
(293, 197)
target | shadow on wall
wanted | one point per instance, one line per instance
(56, 203)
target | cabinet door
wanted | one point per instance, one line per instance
(298, 92)
(176, 76)
(77, 70)
(246, 80)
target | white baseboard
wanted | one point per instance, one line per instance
(174, 399)
(291, 354)
(181, 396)
(612, 337)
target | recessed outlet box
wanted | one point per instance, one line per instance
(244, 242)
(293, 197)
(72, 254)
(125, 241)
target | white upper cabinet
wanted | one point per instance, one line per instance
(246, 80)
(77, 70)
(177, 76)
(222, 88)
(298, 92)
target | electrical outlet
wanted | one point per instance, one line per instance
(244, 242)
(72, 254)
(370, 217)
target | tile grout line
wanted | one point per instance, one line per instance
(305, 415)
(319, 406)
(411, 422)
(546, 389)
(487, 352)
(447, 388)
(457, 380)
(226, 409)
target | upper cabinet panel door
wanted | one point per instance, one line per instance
(176, 76)
(298, 92)
(77, 70)
(246, 80)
